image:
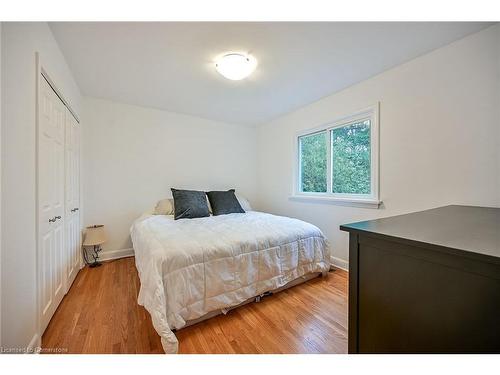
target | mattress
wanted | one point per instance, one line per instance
(191, 267)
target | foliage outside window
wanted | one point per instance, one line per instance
(340, 161)
(313, 156)
(351, 159)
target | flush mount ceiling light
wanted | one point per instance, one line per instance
(235, 66)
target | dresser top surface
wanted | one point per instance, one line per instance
(468, 228)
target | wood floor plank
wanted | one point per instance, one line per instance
(100, 314)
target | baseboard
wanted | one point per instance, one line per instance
(340, 263)
(116, 254)
(34, 345)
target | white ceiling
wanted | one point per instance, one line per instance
(169, 65)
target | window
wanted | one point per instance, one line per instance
(313, 156)
(351, 158)
(339, 162)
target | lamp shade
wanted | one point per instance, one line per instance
(236, 66)
(95, 235)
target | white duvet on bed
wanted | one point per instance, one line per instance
(190, 267)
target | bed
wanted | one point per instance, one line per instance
(194, 268)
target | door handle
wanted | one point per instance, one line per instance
(57, 217)
(52, 220)
(74, 209)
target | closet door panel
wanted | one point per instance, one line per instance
(45, 177)
(51, 277)
(70, 243)
(58, 202)
(46, 276)
(58, 182)
(72, 194)
(59, 263)
(72, 250)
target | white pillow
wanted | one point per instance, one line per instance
(166, 207)
(244, 203)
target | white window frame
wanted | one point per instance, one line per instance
(371, 200)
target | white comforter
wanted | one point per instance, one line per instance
(190, 267)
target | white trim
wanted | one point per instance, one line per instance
(38, 72)
(361, 200)
(340, 263)
(329, 163)
(324, 198)
(116, 254)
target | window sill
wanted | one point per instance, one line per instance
(352, 202)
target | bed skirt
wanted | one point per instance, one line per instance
(215, 313)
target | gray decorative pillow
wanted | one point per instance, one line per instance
(189, 204)
(224, 202)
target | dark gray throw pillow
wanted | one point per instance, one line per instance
(224, 202)
(189, 204)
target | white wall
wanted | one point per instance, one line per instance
(134, 155)
(20, 41)
(439, 137)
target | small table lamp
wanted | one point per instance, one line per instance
(95, 237)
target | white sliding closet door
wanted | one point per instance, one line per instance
(51, 258)
(72, 166)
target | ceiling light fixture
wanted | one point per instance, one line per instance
(235, 66)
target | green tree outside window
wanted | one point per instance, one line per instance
(351, 159)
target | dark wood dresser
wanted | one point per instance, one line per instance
(426, 282)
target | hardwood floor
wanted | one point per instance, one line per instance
(100, 314)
